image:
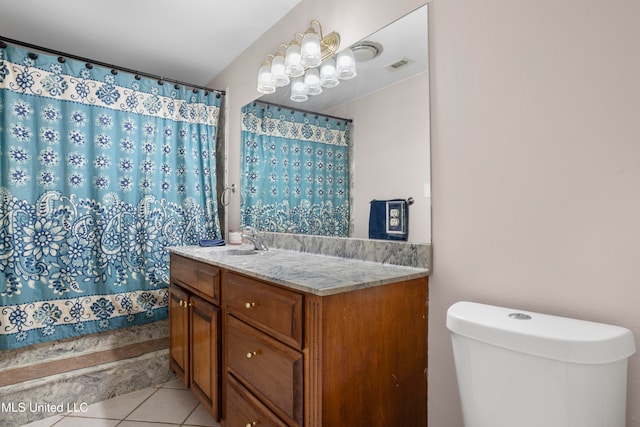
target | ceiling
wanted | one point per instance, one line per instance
(190, 41)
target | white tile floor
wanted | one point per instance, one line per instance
(168, 405)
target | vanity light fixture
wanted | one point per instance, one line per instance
(309, 63)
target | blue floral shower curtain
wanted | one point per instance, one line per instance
(295, 171)
(100, 171)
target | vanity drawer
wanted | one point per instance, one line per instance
(274, 310)
(270, 369)
(243, 409)
(198, 276)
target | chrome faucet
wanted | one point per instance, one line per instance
(252, 235)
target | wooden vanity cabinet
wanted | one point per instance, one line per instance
(297, 359)
(195, 329)
(357, 358)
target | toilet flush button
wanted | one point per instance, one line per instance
(520, 316)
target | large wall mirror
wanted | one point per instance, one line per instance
(382, 116)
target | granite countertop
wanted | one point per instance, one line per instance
(311, 273)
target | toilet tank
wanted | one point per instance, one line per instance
(519, 368)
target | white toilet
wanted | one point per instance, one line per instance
(526, 369)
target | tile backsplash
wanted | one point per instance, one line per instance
(383, 251)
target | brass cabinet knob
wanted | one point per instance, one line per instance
(251, 354)
(251, 424)
(250, 304)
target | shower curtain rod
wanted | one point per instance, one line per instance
(271, 104)
(91, 62)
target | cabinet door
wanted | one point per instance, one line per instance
(179, 333)
(205, 354)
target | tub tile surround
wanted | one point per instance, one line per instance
(383, 251)
(63, 349)
(77, 385)
(74, 390)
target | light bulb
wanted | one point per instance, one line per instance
(298, 93)
(312, 82)
(328, 73)
(346, 65)
(278, 74)
(265, 80)
(292, 64)
(310, 50)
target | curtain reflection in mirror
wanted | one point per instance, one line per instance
(295, 171)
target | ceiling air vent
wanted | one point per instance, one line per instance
(366, 50)
(401, 63)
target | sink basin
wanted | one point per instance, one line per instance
(243, 252)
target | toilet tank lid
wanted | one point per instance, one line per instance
(553, 337)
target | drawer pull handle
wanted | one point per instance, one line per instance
(252, 354)
(251, 424)
(250, 304)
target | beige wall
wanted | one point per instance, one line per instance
(535, 168)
